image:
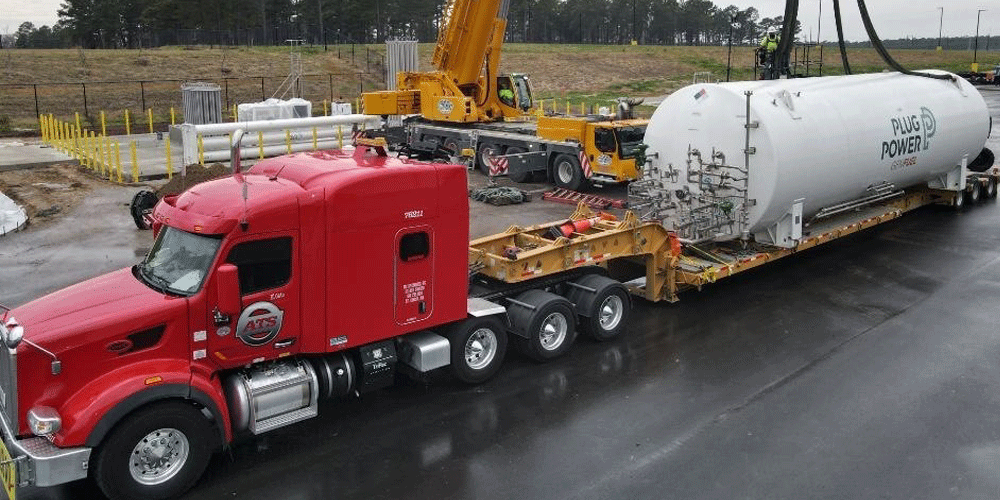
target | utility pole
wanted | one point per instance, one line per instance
(633, 23)
(729, 57)
(322, 33)
(819, 22)
(940, 25)
(975, 65)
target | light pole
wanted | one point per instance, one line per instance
(975, 65)
(940, 25)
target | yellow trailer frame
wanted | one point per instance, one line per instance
(522, 254)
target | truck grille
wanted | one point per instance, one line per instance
(8, 386)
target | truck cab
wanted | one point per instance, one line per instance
(262, 293)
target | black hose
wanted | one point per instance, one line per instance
(787, 35)
(840, 37)
(877, 43)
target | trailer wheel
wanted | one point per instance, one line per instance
(478, 346)
(566, 173)
(603, 304)
(972, 192)
(958, 202)
(990, 189)
(483, 157)
(549, 322)
(522, 176)
(158, 452)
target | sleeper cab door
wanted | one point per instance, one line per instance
(413, 275)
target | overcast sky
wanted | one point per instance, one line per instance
(892, 18)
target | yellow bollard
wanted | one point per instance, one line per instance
(340, 137)
(235, 114)
(101, 164)
(85, 150)
(107, 154)
(288, 141)
(583, 109)
(173, 116)
(118, 162)
(170, 161)
(357, 105)
(92, 149)
(325, 108)
(104, 125)
(260, 145)
(201, 151)
(78, 121)
(149, 116)
(128, 124)
(314, 139)
(135, 163)
(568, 112)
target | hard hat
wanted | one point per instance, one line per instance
(771, 31)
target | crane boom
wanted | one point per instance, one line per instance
(471, 31)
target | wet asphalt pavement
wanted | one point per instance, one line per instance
(866, 368)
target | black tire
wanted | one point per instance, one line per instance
(117, 466)
(550, 326)
(486, 149)
(142, 202)
(566, 173)
(958, 202)
(522, 176)
(972, 192)
(472, 340)
(991, 189)
(604, 312)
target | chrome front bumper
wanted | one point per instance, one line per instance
(38, 462)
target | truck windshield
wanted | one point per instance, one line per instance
(178, 261)
(629, 140)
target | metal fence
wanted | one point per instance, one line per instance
(28, 100)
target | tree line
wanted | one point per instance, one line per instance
(145, 23)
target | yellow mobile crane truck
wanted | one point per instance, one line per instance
(467, 103)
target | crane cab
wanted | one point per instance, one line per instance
(519, 87)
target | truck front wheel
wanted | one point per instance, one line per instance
(156, 453)
(478, 346)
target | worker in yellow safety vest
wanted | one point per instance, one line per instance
(506, 95)
(770, 40)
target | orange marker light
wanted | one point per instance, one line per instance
(154, 380)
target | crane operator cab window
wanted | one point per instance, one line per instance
(523, 90)
(604, 140)
(505, 91)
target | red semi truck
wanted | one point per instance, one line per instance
(310, 276)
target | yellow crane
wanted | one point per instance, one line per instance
(466, 86)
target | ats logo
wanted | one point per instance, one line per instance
(259, 323)
(910, 134)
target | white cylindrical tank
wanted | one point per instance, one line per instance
(821, 141)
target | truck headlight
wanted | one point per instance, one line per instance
(44, 420)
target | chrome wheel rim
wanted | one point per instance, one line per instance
(553, 331)
(991, 189)
(159, 456)
(480, 349)
(611, 312)
(565, 172)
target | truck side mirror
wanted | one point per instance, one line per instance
(227, 279)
